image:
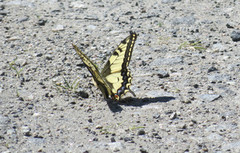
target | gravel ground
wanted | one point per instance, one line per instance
(185, 67)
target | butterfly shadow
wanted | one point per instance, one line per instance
(137, 102)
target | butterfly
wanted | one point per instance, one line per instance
(115, 79)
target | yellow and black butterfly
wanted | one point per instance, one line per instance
(115, 78)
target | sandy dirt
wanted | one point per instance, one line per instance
(185, 68)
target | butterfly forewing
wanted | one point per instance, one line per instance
(115, 71)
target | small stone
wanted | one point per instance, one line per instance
(14, 38)
(30, 106)
(162, 96)
(162, 74)
(218, 47)
(214, 137)
(128, 139)
(141, 132)
(3, 13)
(209, 97)
(91, 27)
(90, 120)
(195, 85)
(39, 55)
(143, 150)
(95, 139)
(25, 95)
(99, 127)
(235, 35)
(214, 78)
(113, 139)
(212, 69)
(21, 62)
(58, 28)
(186, 101)
(11, 132)
(156, 116)
(229, 25)
(49, 56)
(188, 20)
(173, 116)
(42, 22)
(170, 1)
(116, 146)
(23, 19)
(26, 131)
(82, 93)
(78, 4)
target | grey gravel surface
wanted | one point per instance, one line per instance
(185, 67)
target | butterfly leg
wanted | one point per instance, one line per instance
(132, 92)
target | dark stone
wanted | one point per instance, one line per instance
(211, 69)
(141, 132)
(42, 22)
(235, 35)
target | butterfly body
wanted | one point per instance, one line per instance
(115, 79)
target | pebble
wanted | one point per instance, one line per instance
(141, 132)
(58, 27)
(11, 132)
(21, 62)
(3, 13)
(81, 93)
(230, 25)
(78, 4)
(218, 47)
(189, 20)
(26, 131)
(235, 35)
(13, 38)
(164, 96)
(214, 137)
(116, 146)
(214, 78)
(23, 19)
(20, 3)
(48, 56)
(173, 116)
(156, 116)
(170, 1)
(162, 74)
(99, 127)
(209, 97)
(128, 139)
(25, 95)
(212, 69)
(91, 27)
(113, 139)
(42, 22)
